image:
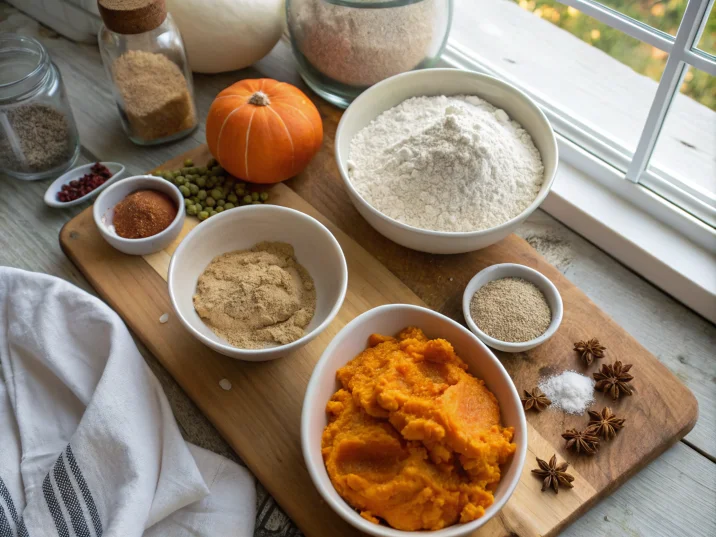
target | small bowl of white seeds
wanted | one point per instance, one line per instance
(511, 307)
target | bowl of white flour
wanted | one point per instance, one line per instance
(445, 161)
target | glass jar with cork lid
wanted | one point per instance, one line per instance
(144, 56)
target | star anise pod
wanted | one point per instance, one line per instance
(589, 350)
(605, 424)
(582, 441)
(535, 399)
(613, 379)
(553, 475)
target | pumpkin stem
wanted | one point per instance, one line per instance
(259, 99)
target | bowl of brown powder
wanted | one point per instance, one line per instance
(259, 282)
(511, 307)
(140, 215)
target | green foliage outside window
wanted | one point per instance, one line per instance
(665, 15)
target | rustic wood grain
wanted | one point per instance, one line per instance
(674, 495)
(261, 422)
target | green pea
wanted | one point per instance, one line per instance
(209, 201)
(216, 170)
(157, 173)
(255, 196)
(219, 209)
(247, 199)
(180, 180)
(212, 162)
(188, 162)
(264, 196)
(194, 199)
(203, 215)
(228, 205)
(240, 191)
(220, 179)
(232, 198)
(216, 194)
(185, 191)
(193, 188)
(202, 170)
(201, 194)
(201, 181)
(199, 207)
(213, 213)
(188, 202)
(220, 203)
(211, 182)
(191, 210)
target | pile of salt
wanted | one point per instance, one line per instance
(569, 391)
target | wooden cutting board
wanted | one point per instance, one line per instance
(260, 415)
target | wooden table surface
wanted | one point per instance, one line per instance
(675, 495)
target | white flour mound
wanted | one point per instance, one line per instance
(446, 164)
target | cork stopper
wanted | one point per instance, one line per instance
(132, 16)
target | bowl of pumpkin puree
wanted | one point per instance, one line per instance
(410, 423)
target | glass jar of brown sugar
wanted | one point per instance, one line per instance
(38, 136)
(145, 60)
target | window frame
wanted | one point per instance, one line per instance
(691, 212)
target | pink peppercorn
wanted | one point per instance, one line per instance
(77, 188)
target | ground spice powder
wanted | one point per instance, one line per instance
(511, 309)
(143, 213)
(360, 46)
(155, 94)
(256, 298)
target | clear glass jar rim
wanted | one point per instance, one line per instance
(373, 4)
(17, 42)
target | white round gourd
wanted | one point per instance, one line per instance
(225, 35)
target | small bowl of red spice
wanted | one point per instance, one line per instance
(140, 215)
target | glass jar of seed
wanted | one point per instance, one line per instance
(38, 135)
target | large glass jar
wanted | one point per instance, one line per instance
(38, 135)
(144, 56)
(345, 46)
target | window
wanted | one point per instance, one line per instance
(631, 82)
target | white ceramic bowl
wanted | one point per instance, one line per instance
(103, 212)
(352, 340)
(395, 90)
(512, 270)
(239, 229)
(75, 173)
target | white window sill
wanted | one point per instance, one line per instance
(652, 249)
(656, 239)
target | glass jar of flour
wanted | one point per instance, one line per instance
(38, 135)
(345, 46)
(143, 54)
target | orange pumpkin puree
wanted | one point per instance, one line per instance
(413, 439)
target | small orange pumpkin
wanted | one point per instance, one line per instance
(263, 131)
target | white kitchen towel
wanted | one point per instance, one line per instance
(88, 443)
